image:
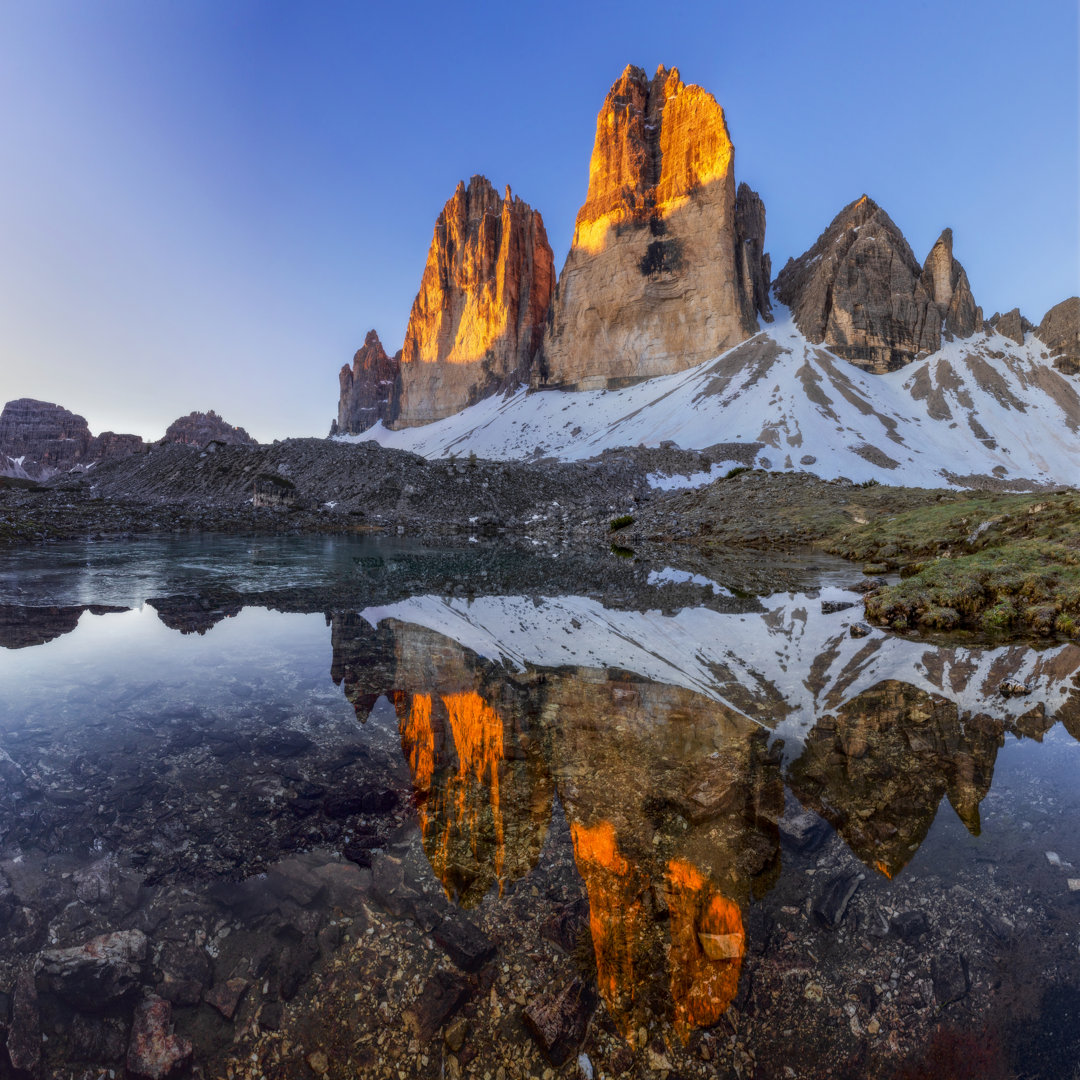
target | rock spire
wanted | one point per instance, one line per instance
(664, 271)
(368, 388)
(477, 321)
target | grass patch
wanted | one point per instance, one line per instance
(621, 522)
(1029, 586)
(736, 471)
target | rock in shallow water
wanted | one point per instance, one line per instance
(833, 896)
(154, 1051)
(558, 1020)
(93, 975)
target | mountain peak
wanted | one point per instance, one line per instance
(1060, 332)
(657, 278)
(860, 290)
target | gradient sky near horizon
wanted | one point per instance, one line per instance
(207, 204)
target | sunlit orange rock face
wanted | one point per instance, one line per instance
(673, 802)
(658, 278)
(482, 785)
(478, 319)
(877, 770)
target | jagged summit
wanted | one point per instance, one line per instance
(367, 388)
(860, 290)
(659, 277)
(200, 428)
(946, 282)
(477, 321)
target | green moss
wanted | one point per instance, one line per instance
(621, 522)
(736, 471)
(1032, 585)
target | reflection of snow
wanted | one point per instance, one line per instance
(678, 577)
(782, 667)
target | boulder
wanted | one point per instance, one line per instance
(93, 975)
(154, 1052)
(667, 267)
(24, 1032)
(558, 1020)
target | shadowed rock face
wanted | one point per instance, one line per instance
(947, 285)
(1012, 325)
(665, 271)
(50, 439)
(878, 769)
(199, 428)
(367, 388)
(477, 321)
(1060, 332)
(861, 291)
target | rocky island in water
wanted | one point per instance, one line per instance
(664, 668)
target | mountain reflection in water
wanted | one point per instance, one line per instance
(662, 750)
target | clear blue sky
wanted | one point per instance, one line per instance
(208, 204)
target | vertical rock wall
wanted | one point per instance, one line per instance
(659, 277)
(478, 319)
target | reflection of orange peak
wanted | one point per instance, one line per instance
(707, 947)
(616, 919)
(478, 739)
(597, 844)
(418, 742)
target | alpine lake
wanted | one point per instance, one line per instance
(326, 807)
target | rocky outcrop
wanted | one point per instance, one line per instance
(478, 319)
(1059, 331)
(946, 283)
(200, 428)
(39, 439)
(862, 292)
(367, 388)
(753, 264)
(1012, 325)
(665, 270)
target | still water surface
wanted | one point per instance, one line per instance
(366, 809)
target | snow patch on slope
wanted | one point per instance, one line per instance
(979, 407)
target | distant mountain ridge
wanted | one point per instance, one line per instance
(668, 276)
(39, 440)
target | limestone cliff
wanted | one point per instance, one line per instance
(478, 319)
(664, 271)
(367, 388)
(39, 439)
(862, 292)
(1060, 332)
